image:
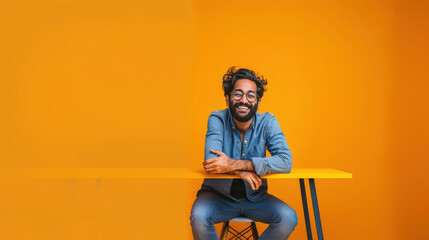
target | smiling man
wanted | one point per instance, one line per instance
(236, 142)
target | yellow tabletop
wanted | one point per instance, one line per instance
(166, 173)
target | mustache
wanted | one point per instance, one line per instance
(243, 104)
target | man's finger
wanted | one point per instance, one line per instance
(256, 183)
(259, 183)
(209, 165)
(212, 169)
(216, 152)
(252, 184)
(258, 178)
(211, 160)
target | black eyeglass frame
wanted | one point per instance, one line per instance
(247, 95)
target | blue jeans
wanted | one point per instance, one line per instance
(210, 208)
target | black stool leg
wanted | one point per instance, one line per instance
(238, 235)
(254, 231)
(225, 230)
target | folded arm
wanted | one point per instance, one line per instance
(280, 160)
(224, 164)
(217, 162)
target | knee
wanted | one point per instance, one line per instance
(200, 217)
(288, 217)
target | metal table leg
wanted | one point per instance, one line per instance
(316, 209)
(305, 206)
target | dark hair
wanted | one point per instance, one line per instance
(233, 75)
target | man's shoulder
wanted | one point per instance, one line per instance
(220, 113)
(264, 118)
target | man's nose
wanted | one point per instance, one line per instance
(243, 100)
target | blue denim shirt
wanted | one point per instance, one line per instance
(264, 133)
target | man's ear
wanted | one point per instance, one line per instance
(227, 100)
(259, 103)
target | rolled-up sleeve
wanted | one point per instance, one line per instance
(280, 160)
(214, 136)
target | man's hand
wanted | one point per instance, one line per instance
(252, 178)
(220, 164)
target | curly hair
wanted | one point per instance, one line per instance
(233, 75)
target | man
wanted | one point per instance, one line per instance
(236, 142)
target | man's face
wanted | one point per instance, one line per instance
(243, 110)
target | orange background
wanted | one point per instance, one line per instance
(130, 84)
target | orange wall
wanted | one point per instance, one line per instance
(131, 84)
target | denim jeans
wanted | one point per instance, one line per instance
(210, 208)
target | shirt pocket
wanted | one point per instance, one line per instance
(258, 150)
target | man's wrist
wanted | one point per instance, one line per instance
(236, 172)
(241, 165)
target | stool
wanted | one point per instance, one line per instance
(236, 234)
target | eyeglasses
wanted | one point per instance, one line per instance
(237, 95)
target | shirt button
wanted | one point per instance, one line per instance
(242, 154)
(245, 141)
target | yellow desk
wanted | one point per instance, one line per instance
(183, 173)
(160, 173)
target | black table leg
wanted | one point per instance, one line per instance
(305, 206)
(316, 209)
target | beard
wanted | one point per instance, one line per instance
(252, 111)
